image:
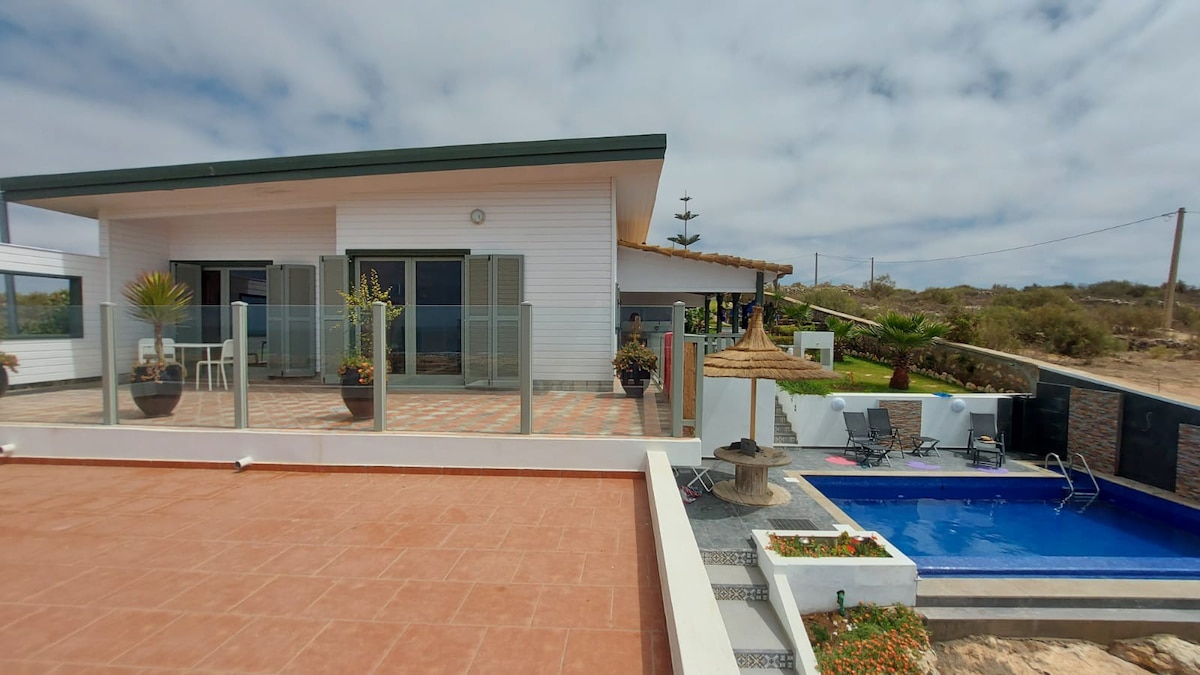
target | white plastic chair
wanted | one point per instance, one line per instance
(146, 349)
(226, 359)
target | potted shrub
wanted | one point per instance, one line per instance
(7, 362)
(634, 364)
(156, 298)
(357, 369)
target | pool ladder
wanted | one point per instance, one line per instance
(1066, 472)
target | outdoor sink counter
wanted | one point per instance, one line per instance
(816, 581)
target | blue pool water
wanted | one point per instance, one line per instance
(1019, 526)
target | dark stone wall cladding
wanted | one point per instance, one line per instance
(1094, 429)
(905, 416)
(1187, 471)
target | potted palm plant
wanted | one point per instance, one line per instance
(357, 369)
(157, 299)
(634, 364)
(7, 362)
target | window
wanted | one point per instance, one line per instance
(40, 306)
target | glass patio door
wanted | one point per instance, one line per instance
(425, 341)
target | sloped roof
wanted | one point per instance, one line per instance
(717, 258)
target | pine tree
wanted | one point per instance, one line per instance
(684, 239)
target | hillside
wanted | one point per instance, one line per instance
(1112, 328)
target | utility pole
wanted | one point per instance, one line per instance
(1171, 278)
(816, 266)
(872, 287)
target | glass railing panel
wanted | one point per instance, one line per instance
(184, 381)
(50, 360)
(577, 391)
(451, 368)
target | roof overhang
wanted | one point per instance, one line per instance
(633, 162)
(653, 269)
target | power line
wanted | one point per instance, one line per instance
(1025, 246)
(1001, 250)
(831, 277)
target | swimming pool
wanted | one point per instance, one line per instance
(992, 526)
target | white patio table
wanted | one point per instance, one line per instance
(207, 347)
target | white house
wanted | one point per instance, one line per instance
(460, 234)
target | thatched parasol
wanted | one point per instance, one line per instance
(755, 356)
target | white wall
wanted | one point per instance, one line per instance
(296, 237)
(563, 230)
(131, 247)
(60, 358)
(725, 415)
(342, 448)
(643, 271)
(817, 425)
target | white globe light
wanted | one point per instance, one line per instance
(958, 405)
(837, 403)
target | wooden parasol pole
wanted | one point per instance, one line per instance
(753, 403)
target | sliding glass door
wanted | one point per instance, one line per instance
(425, 341)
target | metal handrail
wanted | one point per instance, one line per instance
(1087, 469)
(1066, 474)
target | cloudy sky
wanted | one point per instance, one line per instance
(899, 130)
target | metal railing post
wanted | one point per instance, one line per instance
(379, 360)
(525, 351)
(108, 363)
(699, 416)
(241, 387)
(677, 349)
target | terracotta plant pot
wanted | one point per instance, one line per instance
(158, 399)
(359, 398)
(633, 381)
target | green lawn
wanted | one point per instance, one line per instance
(867, 376)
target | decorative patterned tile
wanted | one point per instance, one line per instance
(741, 591)
(765, 658)
(745, 557)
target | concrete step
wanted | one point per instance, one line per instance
(737, 582)
(763, 671)
(1058, 601)
(1059, 593)
(1102, 625)
(729, 556)
(758, 639)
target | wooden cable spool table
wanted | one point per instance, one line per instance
(749, 486)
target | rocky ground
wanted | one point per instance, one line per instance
(987, 655)
(1174, 377)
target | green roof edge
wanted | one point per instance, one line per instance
(336, 165)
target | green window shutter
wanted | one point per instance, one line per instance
(495, 289)
(335, 277)
(189, 329)
(508, 275)
(291, 320)
(478, 348)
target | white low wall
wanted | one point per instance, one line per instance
(345, 448)
(814, 582)
(725, 415)
(699, 640)
(818, 425)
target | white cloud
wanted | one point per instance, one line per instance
(895, 130)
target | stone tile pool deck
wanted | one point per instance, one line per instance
(721, 525)
(127, 569)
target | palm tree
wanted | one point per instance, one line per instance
(156, 298)
(902, 334)
(843, 331)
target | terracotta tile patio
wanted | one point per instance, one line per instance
(134, 569)
(300, 407)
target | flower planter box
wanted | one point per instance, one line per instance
(816, 581)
